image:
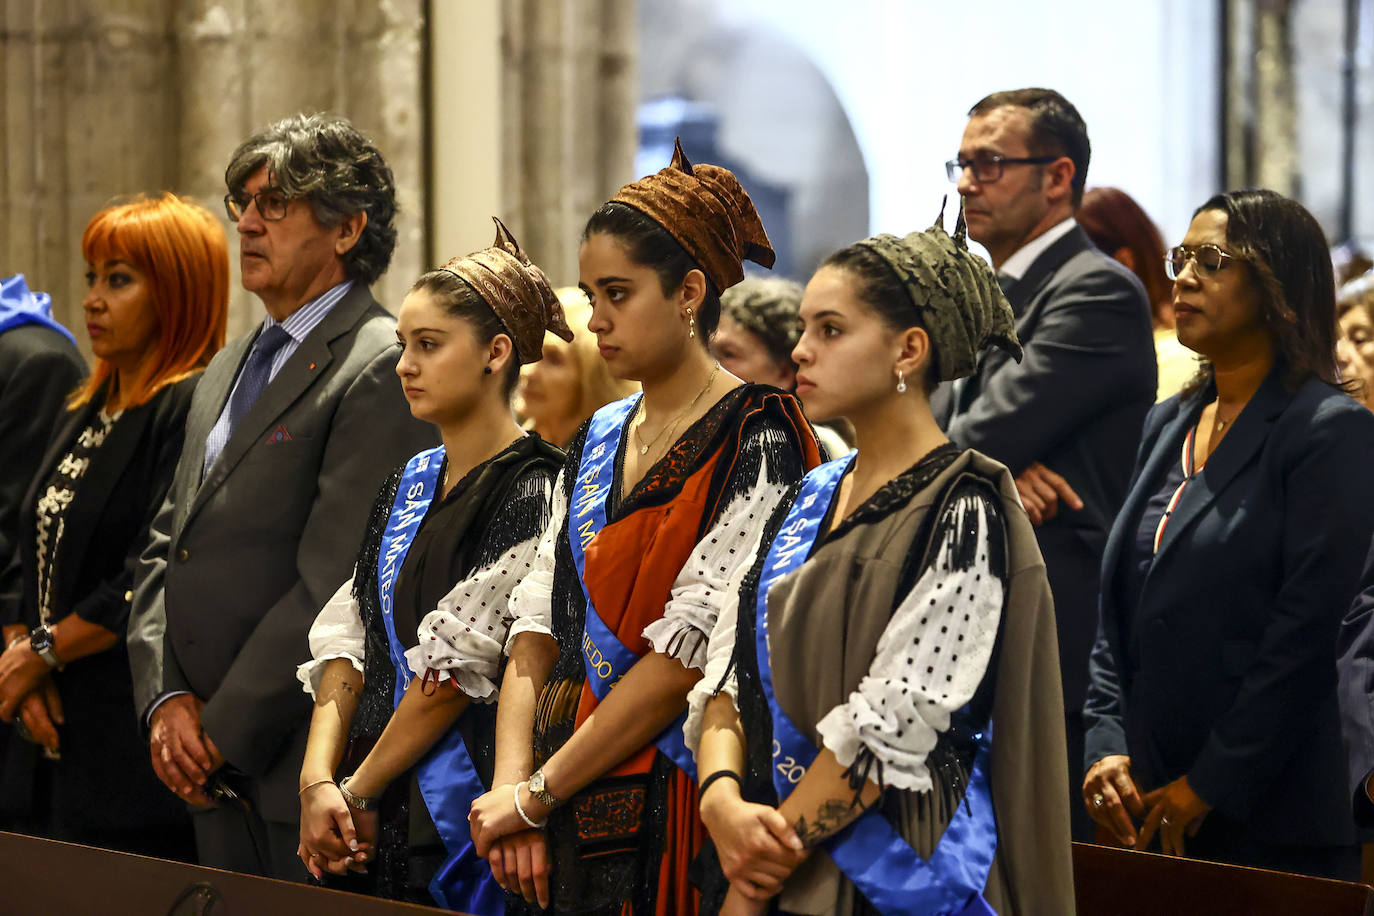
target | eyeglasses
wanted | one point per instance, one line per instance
(987, 169)
(1208, 260)
(271, 202)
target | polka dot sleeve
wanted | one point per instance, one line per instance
(461, 639)
(932, 656)
(703, 585)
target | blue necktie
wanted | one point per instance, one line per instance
(257, 370)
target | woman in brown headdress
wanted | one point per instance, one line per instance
(406, 656)
(880, 719)
(660, 498)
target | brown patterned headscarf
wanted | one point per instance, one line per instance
(708, 212)
(955, 293)
(516, 290)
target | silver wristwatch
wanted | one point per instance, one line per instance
(41, 642)
(538, 788)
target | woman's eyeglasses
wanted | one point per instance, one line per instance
(1208, 260)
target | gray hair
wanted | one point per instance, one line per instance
(328, 162)
(767, 306)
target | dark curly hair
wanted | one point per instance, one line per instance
(328, 162)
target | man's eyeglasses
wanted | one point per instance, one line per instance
(1208, 260)
(987, 169)
(271, 202)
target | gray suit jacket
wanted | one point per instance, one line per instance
(238, 565)
(1075, 403)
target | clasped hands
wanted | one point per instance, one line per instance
(1041, 491)
(517, 853)
(182, 753)
(334, 837)
(1114, 802)
(28, 695)
(758, 849)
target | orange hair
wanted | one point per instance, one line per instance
(181, 248)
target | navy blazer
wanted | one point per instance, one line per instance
(1237, 617)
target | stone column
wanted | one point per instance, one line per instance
(569, 136)
(109, 98)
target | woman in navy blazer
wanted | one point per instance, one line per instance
(158, 271)
(1212, 716)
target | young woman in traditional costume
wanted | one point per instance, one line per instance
(661, 499)
(405, 660)
(886, 686)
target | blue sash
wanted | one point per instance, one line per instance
(882, 865)
(448, 780)
(604, 657)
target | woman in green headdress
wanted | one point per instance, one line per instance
(881, 705)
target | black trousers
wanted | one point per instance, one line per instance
(240, 839)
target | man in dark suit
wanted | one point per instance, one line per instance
(291, 431)
(1067, 418)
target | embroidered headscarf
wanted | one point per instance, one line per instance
(710, 215)
(516, 290)
(955, 293)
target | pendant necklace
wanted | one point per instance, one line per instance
(645, 446)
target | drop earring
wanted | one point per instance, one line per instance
(691, 323)
(901, 382)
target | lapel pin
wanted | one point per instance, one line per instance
(312, 367)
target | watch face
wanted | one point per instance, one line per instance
(41, 639)
(537, 783)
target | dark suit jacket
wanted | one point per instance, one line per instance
(38, 369)
(1075, 403)
(105, 780)
(1355, 665)
(238, 565)
(1237, 619)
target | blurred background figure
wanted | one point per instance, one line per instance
(759, 326)
(1355, 342)
(156, 309)
(571, 382)
(1121, 228)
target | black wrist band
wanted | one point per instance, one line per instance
(718, 774)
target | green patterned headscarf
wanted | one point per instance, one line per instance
(955, 293)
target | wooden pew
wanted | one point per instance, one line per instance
(1119, 882)
(47, 878)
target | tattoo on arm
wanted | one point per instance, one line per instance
(832, 815)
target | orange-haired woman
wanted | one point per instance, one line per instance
(158, 271)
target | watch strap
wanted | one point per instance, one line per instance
(539, 789)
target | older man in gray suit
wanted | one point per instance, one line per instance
(292, 430)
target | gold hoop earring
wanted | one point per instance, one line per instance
(901, 382)
(691, 323)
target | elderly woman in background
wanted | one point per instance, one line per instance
(760, 323)
(1119, 227)
(571, 382)
(1212, 714)
(1355, 343)
(158, 271)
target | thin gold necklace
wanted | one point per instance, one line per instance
(639, 414)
